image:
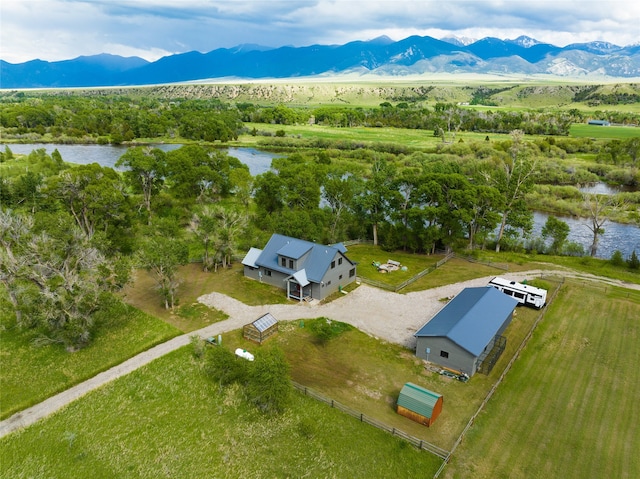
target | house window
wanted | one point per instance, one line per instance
(290, 264)
(352, 272)
(333, 264)
(340, 277)
(339, 260)
(267, 272)
(444, 354)
(283, 261)
(328, 283)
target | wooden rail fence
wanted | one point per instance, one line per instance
(419, 443)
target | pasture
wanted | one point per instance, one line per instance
(31, 374)
(582, 130)
(569, 407)
(169, 420)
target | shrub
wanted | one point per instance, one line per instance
(325, 329)
(269, 385)
(633, 262)
(616, 258)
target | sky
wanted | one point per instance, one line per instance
(63, 29)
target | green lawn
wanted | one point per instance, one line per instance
(582, 130)
(569, 408)
(31, 374)
(168, 420)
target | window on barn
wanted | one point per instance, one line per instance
(340, 277)
(333, 264)
(352, 272)
(339, 260)
(444, 354)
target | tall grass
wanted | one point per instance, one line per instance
(31, 374)
(169, 420)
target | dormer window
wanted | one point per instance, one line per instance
(283, 261)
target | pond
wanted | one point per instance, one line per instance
(605, 189)
(107, 155)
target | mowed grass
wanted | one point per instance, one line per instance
(583, 130)
(31, 374)
(569, 407)
(169, 420)
(366, 254)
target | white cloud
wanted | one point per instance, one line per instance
(62, 29)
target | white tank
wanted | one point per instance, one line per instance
(243, 353)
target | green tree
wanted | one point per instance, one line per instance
(558, 231)
(269, 384)
(338, 191)
(162, 256)
(93, 195)
(54, 283)
(379, 195)
(512, 176)
(224, 368)
(145, 171)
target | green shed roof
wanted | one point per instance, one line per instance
(418, 399)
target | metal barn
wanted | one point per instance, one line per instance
(261, 329)
(467, 332)
(419, 404)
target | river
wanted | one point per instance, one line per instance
(107, 155)
(625, 238)
(617, 236)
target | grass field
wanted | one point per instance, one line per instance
(168, 420)
(569, 408)
(31, 374)
(590, 131)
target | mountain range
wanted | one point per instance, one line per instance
(381, 56)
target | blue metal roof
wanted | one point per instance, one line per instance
(295, 249)
(471, 319)
(316, 258)
(251, 257)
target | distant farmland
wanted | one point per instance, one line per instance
(581, 130)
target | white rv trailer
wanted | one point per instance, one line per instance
(523, 293)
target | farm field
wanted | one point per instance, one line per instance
(591, 131)
(568, 408)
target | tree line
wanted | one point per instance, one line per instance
(118, 119)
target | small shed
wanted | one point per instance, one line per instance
(261, 329)
(419, 404)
